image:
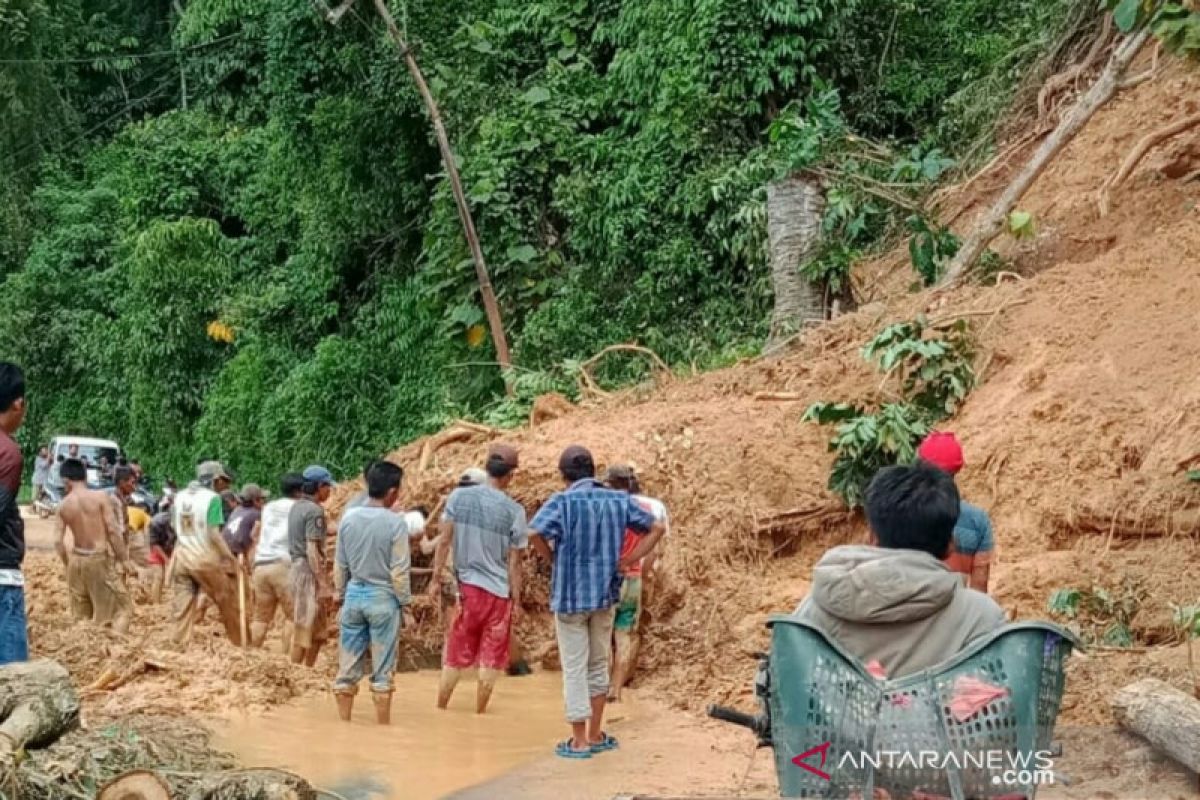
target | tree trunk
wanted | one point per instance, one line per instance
(992, 223)
(495, 323)
(37, 705)
(795, 207)
(1164, 716)
(137, 785)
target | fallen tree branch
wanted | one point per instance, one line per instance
(993, 221)
(1162, 715)
(949, 319)
(783, 397)
(1138, 153)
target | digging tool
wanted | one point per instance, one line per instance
(241, 575)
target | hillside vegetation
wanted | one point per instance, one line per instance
(225, 230)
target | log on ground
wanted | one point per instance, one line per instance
(38, 703)
(1162, 715)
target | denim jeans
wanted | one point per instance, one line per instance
(14, 638)
(370, 618)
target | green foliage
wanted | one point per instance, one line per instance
(527, 386)
(615, 156)
(1176, 24)
(1021, 225)
(934, 371)
(930, 248)
(934, 366)
(867, 442)
(1100, 614)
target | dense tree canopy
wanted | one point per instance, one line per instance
(225, 231)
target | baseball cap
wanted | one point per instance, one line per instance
(943, 451)
(505, 453)
(620, 472)
(317, 474)
(251, 492)
(473, 476)
(575, 456)
(211, 470)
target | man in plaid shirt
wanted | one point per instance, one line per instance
(580, 530)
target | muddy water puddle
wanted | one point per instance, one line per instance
(424, 754)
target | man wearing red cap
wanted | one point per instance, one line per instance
(973, 540)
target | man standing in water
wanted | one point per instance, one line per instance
(312, 593)
(273, 565)
(635, 584)
(14, 637)
(486, 530)
(95, 584)
(581, 529)
(201, 555)
(371, 573)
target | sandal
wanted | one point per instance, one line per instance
(605, 744)
(564, 750)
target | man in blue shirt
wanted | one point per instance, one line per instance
(973, 538)
(580, 530)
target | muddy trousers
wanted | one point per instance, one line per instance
(97, 593)
(272, 590)
(369, 622)
(221, 589)
(584, 645)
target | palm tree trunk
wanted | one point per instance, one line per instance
(795, 207)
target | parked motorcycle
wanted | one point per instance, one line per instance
(46, 505)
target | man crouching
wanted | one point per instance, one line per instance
(95, 582)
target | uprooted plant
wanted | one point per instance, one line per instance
(1099, 614)
(932, 365)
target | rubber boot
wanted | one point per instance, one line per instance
(446, 685)
(487, 682)
(345, 704)
(383, 707)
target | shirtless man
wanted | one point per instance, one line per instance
(94, 579)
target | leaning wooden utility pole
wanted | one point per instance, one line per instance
(491, 307)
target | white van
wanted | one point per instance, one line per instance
(91, 451)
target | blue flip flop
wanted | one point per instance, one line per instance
(605, 744)
(564, 750)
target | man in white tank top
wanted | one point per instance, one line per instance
(272, 564)
(201, 554)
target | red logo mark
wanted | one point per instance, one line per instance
(823, 749)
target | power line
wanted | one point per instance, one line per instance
(118, 56)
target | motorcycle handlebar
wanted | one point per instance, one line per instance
(736, 717)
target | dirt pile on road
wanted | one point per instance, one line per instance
(146, 674)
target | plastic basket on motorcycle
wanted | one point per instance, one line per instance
(818, 693)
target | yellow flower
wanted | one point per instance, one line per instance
(220, 332)
(476, 334)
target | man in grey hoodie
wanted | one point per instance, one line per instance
(895, 601)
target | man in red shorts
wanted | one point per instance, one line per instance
(485, 530)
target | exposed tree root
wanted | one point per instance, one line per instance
(1138, 153)
(587, 381)
(1071, 76)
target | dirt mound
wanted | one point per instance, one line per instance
(212, 677)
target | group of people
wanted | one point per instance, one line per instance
(911, 598)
